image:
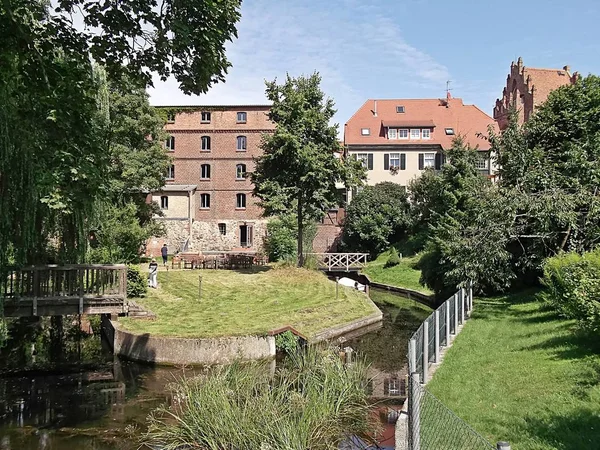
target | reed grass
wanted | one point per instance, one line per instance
(313, 401)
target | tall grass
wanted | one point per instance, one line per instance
(314, 401)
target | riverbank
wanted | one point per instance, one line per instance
(404, 275)
(523, 374)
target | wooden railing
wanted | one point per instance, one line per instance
(63, 285)
(340, 261)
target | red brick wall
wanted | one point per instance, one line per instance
(223, 157)
(327, 238)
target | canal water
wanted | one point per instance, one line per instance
(66, 391)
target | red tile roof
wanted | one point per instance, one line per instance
(466, 120)
(545, 81)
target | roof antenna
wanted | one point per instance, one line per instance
(448, 95)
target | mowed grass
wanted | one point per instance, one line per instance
(403, 275)
(240, 303)
(520, 373)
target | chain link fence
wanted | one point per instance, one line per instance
(432, 426)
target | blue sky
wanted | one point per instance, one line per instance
(399, 49)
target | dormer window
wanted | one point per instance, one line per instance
(449, 131)
(415, 133)
(392, 133)
(425, 133)
(400, 109)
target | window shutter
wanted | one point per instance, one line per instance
(438, 161)
(402, 161)
(421, 161)
(386, 161)
(370, 161)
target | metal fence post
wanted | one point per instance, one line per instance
(447, 323)
(455, 314)
(436, 340)
(412, 355)
(414, 412)
(425, 349)
(462, 308)
(502, 445)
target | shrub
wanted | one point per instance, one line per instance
(137, 284)
(286, 342)
(393, 260)
(573, 287)
(281, 243)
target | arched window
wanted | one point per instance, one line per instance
(240, 171)
(171, 172)
(205, 172)
(170, 144)
(204, 201)
(206, 143)
(241, 143)
(241, 201)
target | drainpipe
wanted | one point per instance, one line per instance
(190, 215)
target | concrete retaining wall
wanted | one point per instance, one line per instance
(340, 330)
(171, 350)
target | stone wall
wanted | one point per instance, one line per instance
(206, 236)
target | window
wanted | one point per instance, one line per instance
(223, 229)
(170, 117)
(366, 159)
(399, 109)
(365, 131)
(164, 202)
(429, 160)
(394, 386)
(415, 133)
(482, 162)
(170, 144)
(205, 143)
(205, 172)
(403, 134)
(205, 118)
(240, 171)
(240, 201)
(241, 117)
(426, 133)
(449, 131)
(392, 133)
(394, 159)
(171, 172)
(241, 143)
(204, 201)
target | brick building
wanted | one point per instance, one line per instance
(397, 139)
(527, 88)
(207, 201)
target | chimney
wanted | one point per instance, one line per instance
(375, 108)
(567, 69)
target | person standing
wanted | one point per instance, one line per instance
(152, 273)
(164, 251)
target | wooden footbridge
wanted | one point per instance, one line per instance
(58, 290)
(340, 262)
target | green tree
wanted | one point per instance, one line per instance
(376, 217)
(281, 243)
(300, 166)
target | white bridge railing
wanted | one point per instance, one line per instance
(340, 261)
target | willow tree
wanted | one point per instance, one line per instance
(301, 166)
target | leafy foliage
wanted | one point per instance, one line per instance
(573, 287)
(137, 284)
(282, 237)
(393, 260)
(376, 217)
(286, 342)
(299, 168)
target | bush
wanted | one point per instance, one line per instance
(137, 284)
(281, 243)
(393, 260)
(573, 287)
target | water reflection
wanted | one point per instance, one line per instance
(61, 389)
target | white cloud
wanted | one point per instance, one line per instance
(358, 52)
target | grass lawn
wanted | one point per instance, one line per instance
(520, 373)
(403, 275)
(240, 303)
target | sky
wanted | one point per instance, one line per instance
(398, 49)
